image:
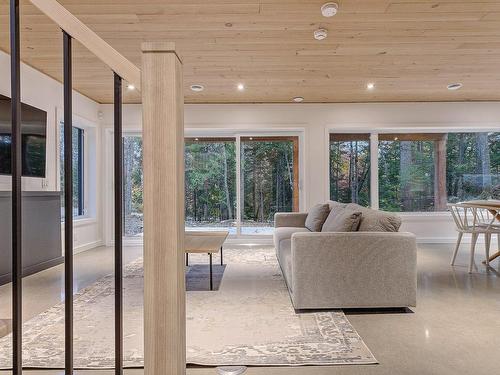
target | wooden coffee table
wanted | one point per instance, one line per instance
(205, 242)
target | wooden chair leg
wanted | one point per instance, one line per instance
(487, 243)
(472, 250)
(459, 239)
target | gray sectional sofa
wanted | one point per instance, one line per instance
(370, 266)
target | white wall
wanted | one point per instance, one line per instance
(43, 92)
(318, 119)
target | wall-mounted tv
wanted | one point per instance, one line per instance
(33, 135)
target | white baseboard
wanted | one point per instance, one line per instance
(87, 246)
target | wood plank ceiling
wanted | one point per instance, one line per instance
(410, 49)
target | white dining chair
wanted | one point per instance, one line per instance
(476, 221)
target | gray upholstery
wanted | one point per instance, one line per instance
(290, 219)
(285, 233)
(316, 217)
(326, 270)
(376, 220)
(342, 220)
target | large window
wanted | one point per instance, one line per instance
(350, 168)
(132, 186)
(210, 183)
(417, 172)
(78, 171)
(269, 182)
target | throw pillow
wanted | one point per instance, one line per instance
(342, 220)
(316, 217)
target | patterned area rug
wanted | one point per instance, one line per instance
(248, 321)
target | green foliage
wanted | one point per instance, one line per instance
(267, 179)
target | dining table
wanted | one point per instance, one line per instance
(493, 206)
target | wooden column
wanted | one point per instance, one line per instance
(163, 142)
(440, 194)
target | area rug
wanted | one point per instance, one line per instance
(248, 321)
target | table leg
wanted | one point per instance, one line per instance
(221, 261)
(493, 257)
(211, 282)
(187, 259)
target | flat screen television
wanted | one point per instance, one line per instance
(33, 136)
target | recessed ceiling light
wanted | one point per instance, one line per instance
(196, 139)
(197, 88)
(130, 87)
(329, 9)
(231, 370)
(454, 86)
(370, 86)
(320, 34)
(298, 99)
(241, 86)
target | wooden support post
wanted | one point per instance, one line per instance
(163, 142)
(440, 194)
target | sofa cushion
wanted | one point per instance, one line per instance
(285, 259)
(316, 217)
(335, 204)
(375, 220)
(285, 233)
(342, 220)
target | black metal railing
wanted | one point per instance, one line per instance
(16, 168)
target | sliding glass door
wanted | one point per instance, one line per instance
(264, 170)
(269, 181)
(210, 183)
(132, 186)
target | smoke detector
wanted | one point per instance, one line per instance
(320, 34)
(329, 9)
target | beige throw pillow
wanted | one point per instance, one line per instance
(342, 220)
(316, 217)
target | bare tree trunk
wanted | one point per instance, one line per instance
(226, 186)
(484, 163)
(404, 171)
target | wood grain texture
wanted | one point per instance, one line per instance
(95, 44)
(410, 49)
(163, 142)
(204, 242)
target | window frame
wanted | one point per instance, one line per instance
(393, 129)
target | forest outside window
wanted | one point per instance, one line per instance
(78, 171)
(416, 172)
(133, 223)
(269, 181)
(210, 183)
(350, 168)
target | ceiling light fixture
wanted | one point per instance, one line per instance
(231, 370)
(197, 88)
(241, 86)
(298, 99)
(454, 86)
(329, 9)
(370, 86)
(320, 34)
(130, 87)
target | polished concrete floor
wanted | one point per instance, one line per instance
(454, 330)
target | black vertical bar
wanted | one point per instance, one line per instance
(16, 169)
(81, 145)
(68, 203)
(118, 223)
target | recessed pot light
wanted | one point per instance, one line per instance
(329, 9)
(197, 88)
(298, 99)
(130, 87)
(370, 86)
(320, 34)
(454, 86)
(241, 86)
(231, 370)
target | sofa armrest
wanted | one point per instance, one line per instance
(290, 219)
(365, 268)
